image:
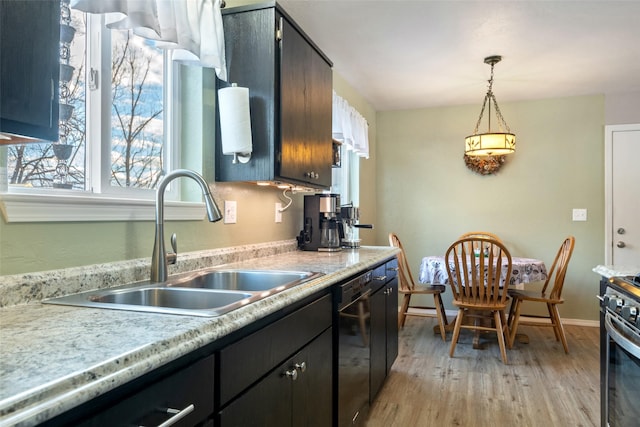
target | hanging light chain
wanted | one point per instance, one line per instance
(502, 123)
(475, 130)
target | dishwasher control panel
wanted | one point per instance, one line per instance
(354, 289)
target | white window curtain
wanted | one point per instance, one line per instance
(349, 127)
(193, 28)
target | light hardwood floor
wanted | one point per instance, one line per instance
(541, 385)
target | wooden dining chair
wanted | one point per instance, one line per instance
(551, 297)
(479, 285)
(408, 287)
(482, 234)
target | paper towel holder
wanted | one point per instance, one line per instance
(235, 123)
(241, 157)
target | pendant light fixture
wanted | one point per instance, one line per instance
(490, 143)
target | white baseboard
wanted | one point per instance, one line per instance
(573, 322)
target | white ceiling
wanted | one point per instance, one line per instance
(402, 54)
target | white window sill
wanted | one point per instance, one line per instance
(63, 208)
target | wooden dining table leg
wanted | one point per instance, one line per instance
(476, 334)
(450, 326)
(480, 321)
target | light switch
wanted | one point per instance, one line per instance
(230, 213)
(579, 214)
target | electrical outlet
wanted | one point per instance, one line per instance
(579, 214)
(230, 212)
(278, 212)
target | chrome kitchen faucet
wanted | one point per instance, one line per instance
(159, 256)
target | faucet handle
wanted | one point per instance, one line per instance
(172, 257)
(174, 243)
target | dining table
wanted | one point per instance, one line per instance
(433, 270)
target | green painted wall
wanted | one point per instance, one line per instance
(427, 195)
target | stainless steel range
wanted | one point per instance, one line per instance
(620, 351)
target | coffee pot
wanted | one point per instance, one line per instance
(329, 234)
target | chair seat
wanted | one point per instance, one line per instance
(424, 289)
(534, 296)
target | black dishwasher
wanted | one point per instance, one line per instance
(354, 345)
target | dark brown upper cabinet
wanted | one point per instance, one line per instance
(290, 85)
(29, 68)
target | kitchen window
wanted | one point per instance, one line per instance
(345, 180)
(116, 142)
(351, 131)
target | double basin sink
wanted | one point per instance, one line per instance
(207, 293)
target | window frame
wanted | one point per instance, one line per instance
(347, 177)
(100, 201)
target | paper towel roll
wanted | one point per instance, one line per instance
(235, 122)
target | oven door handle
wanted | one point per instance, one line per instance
(616, 332)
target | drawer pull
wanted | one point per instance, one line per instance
(177, 415)
(380, 278)
(293, 374)
(301, 366)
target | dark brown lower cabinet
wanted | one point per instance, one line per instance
(384, 326)
(296, 393)
(184, 398)
(280, 375)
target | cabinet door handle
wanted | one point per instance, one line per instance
(178, 414)
(312, 175)
(301, 366)
(292, 373)
(279, 31)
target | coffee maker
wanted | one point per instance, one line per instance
(350, 216)
(322, 224)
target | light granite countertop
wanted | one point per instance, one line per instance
(610, 271)
(54, 358)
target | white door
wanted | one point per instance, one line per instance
(622, 190)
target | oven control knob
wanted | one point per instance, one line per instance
(616, 303)
(629, 312)
(606, 298)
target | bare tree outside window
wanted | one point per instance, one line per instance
(136, 114)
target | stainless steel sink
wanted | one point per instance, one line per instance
(241, 280)
(184, 298)
(210, 292)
